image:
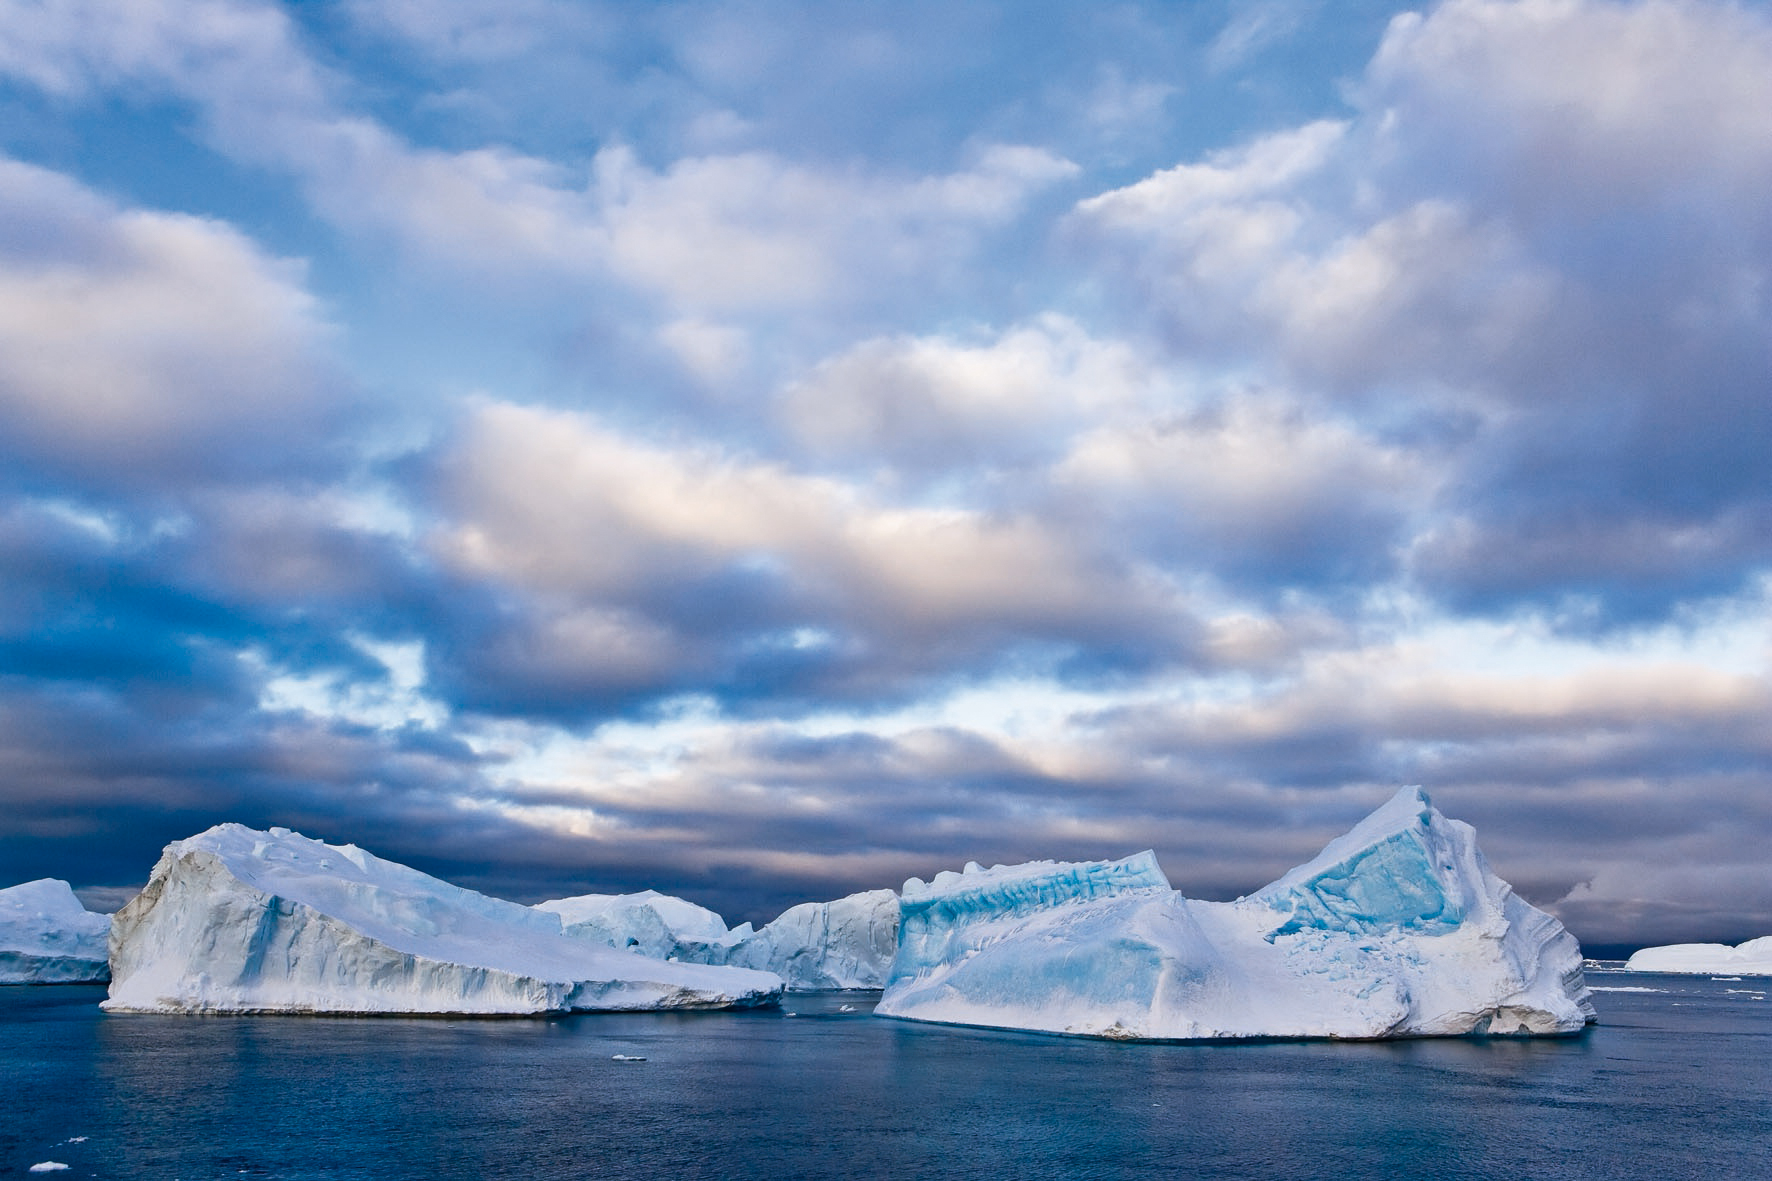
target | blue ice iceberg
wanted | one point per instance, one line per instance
(1396, 929)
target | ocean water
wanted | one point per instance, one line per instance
(1676, 1082)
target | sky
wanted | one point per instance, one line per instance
(762, 451)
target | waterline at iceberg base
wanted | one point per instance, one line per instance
(1397, 929)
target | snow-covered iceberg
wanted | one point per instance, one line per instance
(235, 920)
(1753, 958)
(1396, 929)
(648, 923)
(848, 943)
(47, 937)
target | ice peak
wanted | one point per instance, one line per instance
(1404, 867)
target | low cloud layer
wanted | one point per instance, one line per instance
(759, 453)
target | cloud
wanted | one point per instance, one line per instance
(648, 569)
(736, 231)
(707, 233)
(1558, 271)
(944, 405)
(137, 345)
(1257, 492)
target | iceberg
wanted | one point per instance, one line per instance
(234, 920)
(47, 937)
(648, 923)
(1753, 958)
(845, 944)
(1397, 929)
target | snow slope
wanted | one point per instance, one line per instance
(47, 937)
(1396, 929)
(1753, 958)
(236, 920)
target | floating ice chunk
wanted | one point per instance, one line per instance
(1753, 958)
(47, 937)
(47, 1166)
(234, 920)
(1398, 928)
(627, 1058)
(846, 943)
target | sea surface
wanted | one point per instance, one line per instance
(1675, 1082)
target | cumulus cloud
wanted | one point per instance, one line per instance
(643, 563)
(707, 232)
(1558, 269)
(134, 344)
(1257, 491)
(937, 404)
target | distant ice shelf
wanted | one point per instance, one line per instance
(47, 937)
(242, 921)
(1753, 958)
(1397, 929)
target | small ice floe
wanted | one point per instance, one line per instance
(75, 1140)
(1744, 992)
(1727, 979)
(1621, 988)
(845, 1008)
(47, 1166)
(627, 1058)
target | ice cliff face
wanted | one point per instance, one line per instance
(47, 937)
(235, 920)
(1753, 958)
(848, 943)
(647, 923)
(1396, 929)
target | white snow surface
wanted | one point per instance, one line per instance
(1753, 958)
(846, 943)
(237, 920)
(47, 937)
(647, 923)
(1397, 929)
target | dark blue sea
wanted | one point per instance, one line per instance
(1674, 1083)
